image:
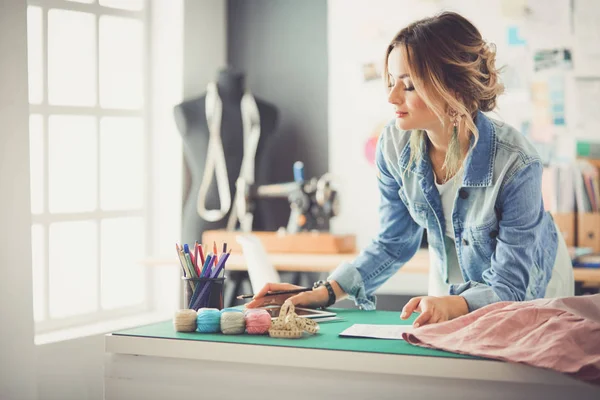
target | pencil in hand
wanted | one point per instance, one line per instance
(276, 293)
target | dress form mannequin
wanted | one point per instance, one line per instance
(191, 121)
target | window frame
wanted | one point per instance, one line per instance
(45, 110)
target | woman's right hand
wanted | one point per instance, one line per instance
(311, 299)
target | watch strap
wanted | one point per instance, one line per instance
(330, 291)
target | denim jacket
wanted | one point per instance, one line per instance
(505, 242)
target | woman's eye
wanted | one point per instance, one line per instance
(409, 89)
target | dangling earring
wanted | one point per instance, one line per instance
(453, 154)
(455, 121)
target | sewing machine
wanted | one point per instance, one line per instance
(312, 203)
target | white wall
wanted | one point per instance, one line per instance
(71, 370)
(205, 44)
(17, 356)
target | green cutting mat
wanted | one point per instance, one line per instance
(326, 339)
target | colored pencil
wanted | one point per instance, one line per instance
(206, 267)
(196, 259)
(201, 252)
(215, 253)
(180, 260)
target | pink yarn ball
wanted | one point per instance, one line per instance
(258, 321)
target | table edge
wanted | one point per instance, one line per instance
(335, 360)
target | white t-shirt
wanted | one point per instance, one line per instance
(448, 192)
(437, 285)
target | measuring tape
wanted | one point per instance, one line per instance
(289, 325)
(215, 157)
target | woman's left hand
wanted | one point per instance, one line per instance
(435, 309)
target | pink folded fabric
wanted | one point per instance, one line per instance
(560, 334)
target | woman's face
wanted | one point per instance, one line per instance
(410, 110)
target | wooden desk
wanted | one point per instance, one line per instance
(419, 264)
(587, 275)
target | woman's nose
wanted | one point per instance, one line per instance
(395, 96)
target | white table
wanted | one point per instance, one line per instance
(152, 368)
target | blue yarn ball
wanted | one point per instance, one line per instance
(208, 320)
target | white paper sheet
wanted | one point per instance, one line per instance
(377, 331)
(587, 35)
(547, 23)
(588, 99)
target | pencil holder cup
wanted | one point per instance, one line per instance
(203, 292)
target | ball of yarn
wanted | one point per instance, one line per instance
(184, 320)
(231, 309)
(258, 321)
(232, 322)
(208, 320)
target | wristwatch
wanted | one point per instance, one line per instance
(331, 299)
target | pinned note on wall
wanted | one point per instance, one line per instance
(548, 23)
(588, 95)
(541, 127)
(514, 9)
(586, 14)
(514, 36)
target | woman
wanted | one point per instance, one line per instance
(474, 183)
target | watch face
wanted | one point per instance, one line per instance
(318, 284)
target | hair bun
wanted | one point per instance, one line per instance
(490, 78)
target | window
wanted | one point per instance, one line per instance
(90, 148)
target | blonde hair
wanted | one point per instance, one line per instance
(453, 70)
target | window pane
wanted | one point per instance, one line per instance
(123, 4)
(71, 58)
(121, 163)
(121, 66)
(38, 264)
(73, 268)
(36, 163)
(123, 278)
(35, 50)
(73, 166)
